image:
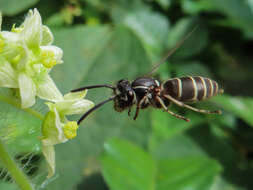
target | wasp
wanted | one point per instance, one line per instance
(146, 91)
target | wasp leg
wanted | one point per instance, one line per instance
(139, 106)
(136, 112)
(190, 107)
(170, 112)
(129, 112)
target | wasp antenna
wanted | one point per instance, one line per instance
(178, 45)
(93, 86)
(94, 108)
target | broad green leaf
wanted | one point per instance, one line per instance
(166, 126)
(164, 3)
(151, 28)
(12, 7)
(80, 52)
(126, 166)
(221, 183)
(240, 106)
(123, 171)
(177, 146)
(239, 13)
(196, 173)
(193, 7)
(221, 149)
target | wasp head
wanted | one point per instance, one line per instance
(125, 95)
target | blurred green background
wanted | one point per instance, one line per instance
(104, 41)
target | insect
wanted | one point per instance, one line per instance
(147, 91)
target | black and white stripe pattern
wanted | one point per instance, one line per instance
(191, 89)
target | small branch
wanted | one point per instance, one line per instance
(16, 173)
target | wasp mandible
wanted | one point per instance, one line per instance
(147, 91)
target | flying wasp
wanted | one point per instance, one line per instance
(147, 91)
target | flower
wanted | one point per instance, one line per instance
(56, 128)
(26, 58)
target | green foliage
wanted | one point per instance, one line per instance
(116, 39)
(140, 170)
(126, 166)
(240, 106)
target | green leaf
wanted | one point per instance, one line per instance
(182, 164)
(125, 166)
(151, 28)
(193, 7)
(239, 13)
(164, 3)
(175, 147)
(221, 183)
(166, 126)
(196, 173)
(12, 7)
(222, 150)
(240, 106)
(80, 52)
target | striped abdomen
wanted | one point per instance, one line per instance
(191, 89)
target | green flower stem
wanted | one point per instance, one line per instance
(17, 105)
(14, 170)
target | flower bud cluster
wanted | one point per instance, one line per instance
(26, 58)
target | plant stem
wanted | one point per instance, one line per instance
(16, 173)
(16, 104)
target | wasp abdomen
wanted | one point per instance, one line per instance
(191, 89)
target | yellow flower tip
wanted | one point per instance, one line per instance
(48, 59)
(70, 129)
(49, 63)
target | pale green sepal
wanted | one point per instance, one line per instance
(75, 95)
(47, 90)
(8, 76)
(73, 103)
(10, 37)
(32, 30)
(49, 153)
(22, 60)
(52, 129)
(27, 90)
(47, 36)
(69, 107)
(11, 46)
